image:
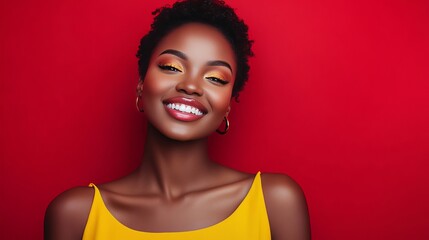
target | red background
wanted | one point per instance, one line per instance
(337, 98)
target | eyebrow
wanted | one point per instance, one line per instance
(219, 63)
(176, 53)
(184, 57)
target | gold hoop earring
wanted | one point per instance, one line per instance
(225, 130)
(137, 104)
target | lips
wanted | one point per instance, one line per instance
(184, 109)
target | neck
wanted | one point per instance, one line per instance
(174, 167)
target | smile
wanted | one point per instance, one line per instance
(184, 108)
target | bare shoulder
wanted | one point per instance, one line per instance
(281, 188)
(66, 215)
(286, 206)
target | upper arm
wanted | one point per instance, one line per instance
(286, 207)
(66, 215)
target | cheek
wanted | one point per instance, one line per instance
(220, 99)
(154, 85)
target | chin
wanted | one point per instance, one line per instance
(185, 136)
(182, 134)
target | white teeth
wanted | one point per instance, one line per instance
(184, 108)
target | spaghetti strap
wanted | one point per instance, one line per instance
(97, 193)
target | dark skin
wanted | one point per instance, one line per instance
(177, 181)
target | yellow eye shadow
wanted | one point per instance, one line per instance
(216, 75)
(172, 65)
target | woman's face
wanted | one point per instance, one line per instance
(188, 85)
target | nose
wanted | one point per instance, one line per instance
(190, 86)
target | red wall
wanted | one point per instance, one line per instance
(338, 99)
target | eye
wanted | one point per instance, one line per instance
(217, 80)
(168, 67)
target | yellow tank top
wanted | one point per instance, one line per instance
(249, 221)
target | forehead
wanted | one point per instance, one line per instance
(199, 42)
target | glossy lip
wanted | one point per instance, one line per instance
(183, 116)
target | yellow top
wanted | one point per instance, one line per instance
(249, 221)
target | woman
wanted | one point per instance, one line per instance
(191, 64)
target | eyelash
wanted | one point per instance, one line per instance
(169, 68)
(217, 80)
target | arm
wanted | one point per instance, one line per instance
(66, 215)
(286, 207)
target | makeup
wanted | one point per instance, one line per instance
(184, 109)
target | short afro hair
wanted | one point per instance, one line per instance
(211, 12)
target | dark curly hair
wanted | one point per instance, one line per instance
(211, 12)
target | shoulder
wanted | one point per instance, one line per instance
(66, 215)
(286, 207)
(281, 188)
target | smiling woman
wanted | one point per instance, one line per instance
(191, 67)
(192, 63)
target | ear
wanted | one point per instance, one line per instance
(139, 89)
(227, 111)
